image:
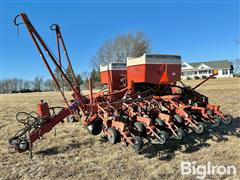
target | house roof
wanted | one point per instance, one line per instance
(213, 64)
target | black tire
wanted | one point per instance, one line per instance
(180, 134)
(196, 117)
(159, 122)
(140, 128)
(216, 121)
(112, 135)
(162, 137)
(137, 143)
(228, 119)
(95, 127)
(177, 118)
(23, 145)
(200, 128)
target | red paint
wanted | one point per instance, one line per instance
(43, 110)
(112, 78)
(154, 73)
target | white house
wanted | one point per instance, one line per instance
(205, 69)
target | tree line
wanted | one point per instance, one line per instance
(38, 84)
(113, 50)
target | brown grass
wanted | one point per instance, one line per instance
(74, 154)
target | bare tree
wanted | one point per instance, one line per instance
(140, 45)
(48, 85)
(10, 85)
(27, 84)
(20, 84)
(236, 65)
(1, 87)
(123, 46)
(14, 84)
(38, 83)
(7, 86)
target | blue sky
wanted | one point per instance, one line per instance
(197, 30)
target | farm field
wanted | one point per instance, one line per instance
(75, 154)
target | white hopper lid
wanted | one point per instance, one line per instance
(114, 66)
(154, 59)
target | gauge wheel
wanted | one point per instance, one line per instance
(228, 119)
(137, 143)
(162, 137)
(179, 134)
(199, 128)
(112, 135)
(216, 122)
(95, 127)
(139, 127)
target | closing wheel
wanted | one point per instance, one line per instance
(95, 127)
(199, 128)
(139, 128)
(137, 143)
(177, 118)
(162, 137)
(179, 134)
(228, 119)
(112, 135)
(216, 121)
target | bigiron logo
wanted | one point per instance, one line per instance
(201, 171)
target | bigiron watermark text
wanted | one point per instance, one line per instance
(202, 170)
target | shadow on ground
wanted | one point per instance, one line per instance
(64, 148)
(193, 142)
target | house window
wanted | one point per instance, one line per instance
(184, 65)
(195, 72)
(203, 72)
(210, 72)
(224, 72)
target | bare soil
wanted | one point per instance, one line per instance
(75, 154)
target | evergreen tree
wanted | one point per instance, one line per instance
(79, 80)
(69, 76)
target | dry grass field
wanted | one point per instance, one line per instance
(74, 154)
